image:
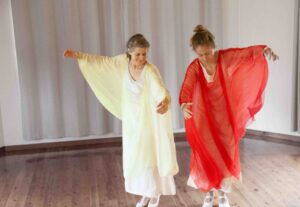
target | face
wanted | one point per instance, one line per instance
(206, 53)
(139, 56)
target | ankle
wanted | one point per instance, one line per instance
(221, 193)
(143, 201)
(222, 197)
(209, 197)
(154, 201)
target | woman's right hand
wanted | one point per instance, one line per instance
(268, 53)
(70, 53)
(187, 113)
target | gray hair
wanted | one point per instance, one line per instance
(137, 40)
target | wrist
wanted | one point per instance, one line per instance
(182, 106)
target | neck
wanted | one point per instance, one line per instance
(136, 67)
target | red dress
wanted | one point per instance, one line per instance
(221, 109)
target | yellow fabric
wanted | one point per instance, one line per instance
(104, 76)
(148, 139)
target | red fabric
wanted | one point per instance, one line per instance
(221, 109)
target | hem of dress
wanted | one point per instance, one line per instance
(191, 183)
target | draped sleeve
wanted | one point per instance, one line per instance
(160, 128)
(187, 88)
(245, 75)
(235, 58)
(104, 75)
(158, 88)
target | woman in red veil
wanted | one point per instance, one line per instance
(221, 93)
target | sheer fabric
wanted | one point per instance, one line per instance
(148, 140)
(221, 109)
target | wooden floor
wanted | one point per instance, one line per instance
(93, 177)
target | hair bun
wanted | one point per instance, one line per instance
(200, 28)
(202, 36)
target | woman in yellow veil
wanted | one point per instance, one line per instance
(131, 88)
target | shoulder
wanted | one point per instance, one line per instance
(121, 58)
(194, 65)
(151, 68)
(151, 71)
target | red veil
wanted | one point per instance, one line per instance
(221, 109)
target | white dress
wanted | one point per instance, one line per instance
(150, 183)
(149, 151)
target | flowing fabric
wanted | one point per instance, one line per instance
(148, 140)
(221, 110)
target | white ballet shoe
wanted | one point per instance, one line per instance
(223, 201)
(208, 200)
(154, 202)
(143, 202)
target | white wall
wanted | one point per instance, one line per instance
(1, 131)
(271, 22)
(9, 84)
(10, 98)
(230, 23)
(245, 23)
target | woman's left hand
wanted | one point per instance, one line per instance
(163, 106)
(268, 53)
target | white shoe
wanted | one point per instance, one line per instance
(208, 200)
(223, 201)
(154, 202)
(143, 202)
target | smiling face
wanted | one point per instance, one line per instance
(206, 54)
(138, 56)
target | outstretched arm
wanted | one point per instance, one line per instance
(105, 62)
(69, 53)
(104, 75)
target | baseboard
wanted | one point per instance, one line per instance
(72, 145)
(2, 151)
(117, 141)
(65, 145)
(274, 137)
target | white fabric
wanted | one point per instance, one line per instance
(150, 183)
(148, 139)
(209, 78)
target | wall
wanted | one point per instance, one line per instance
(9, 84)
(271, 22)
(245, 23)
(1, 131)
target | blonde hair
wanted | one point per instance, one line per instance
(202, 36)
